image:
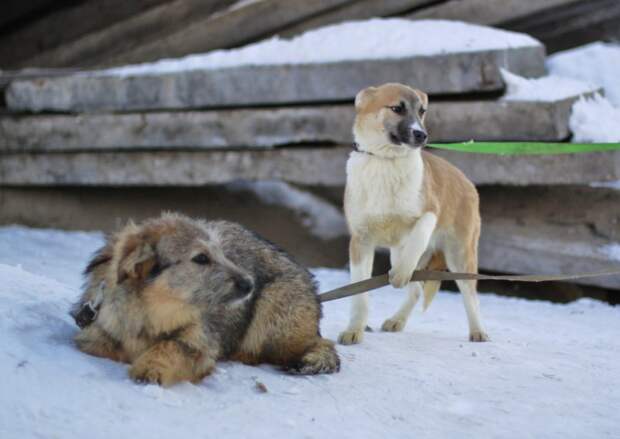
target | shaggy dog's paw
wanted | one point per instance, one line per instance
(145, 373)
(321, 359)
(351, 337)
(169, 362)
(393, 325)
(478, 336)
(399, 278)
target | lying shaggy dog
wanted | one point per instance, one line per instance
(173, 295)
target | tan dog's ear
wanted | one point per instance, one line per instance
(363, 97)
(137, 257)
(423, 96)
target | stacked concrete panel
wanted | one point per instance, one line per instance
(292, 122)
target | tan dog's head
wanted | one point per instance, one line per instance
(389, 120)
(176, 259)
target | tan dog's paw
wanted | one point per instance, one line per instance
(351, 337)
(393, 325)
(478, 336)
(399, 278)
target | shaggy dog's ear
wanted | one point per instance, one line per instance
(101, 256)
(137, 256)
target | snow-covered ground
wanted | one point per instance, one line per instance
(550, 371)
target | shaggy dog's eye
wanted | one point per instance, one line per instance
(422, 111)
(201, 259)
(398, 109)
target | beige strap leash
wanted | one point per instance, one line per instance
(380, 281)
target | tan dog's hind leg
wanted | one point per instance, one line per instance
(398, 321)
(361, 257)
(466, 260)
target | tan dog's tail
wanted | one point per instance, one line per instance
(437, 262)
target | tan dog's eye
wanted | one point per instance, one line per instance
(398, 109)
(422, 111)
(201, 259)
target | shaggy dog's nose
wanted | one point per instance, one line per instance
(244, 286)
(419, 136)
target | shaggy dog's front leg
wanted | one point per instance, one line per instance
(182, 357)
(95, 341)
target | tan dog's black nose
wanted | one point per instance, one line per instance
(419, 136)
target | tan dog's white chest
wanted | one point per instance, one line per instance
(384, 197)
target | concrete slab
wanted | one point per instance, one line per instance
(478, 11)
(263, 128)
(551, 230)
(466, 71)
(300, 165)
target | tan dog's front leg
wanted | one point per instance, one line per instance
(186, 357)
(407, 255)
(361, 257)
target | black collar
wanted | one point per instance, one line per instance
(356, 148)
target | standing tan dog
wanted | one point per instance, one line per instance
(173, 295)
(416, 204)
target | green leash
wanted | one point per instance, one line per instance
(526, 148)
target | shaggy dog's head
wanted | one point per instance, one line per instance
(177, 257)
(389, 120)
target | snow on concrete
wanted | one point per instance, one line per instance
(547, 88)
(550, 371)
(242, 4)
(598, 63)
(612, 251)
(594, 119)
(607, 184)
(376, 38)
(577, 72)
(323, 219)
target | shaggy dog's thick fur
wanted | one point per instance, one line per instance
(174, 295)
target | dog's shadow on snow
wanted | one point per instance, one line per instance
(45, 324)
